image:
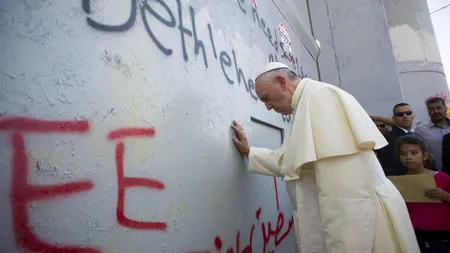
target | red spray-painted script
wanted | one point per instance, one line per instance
(23, 193)
(267, 231)
(127, 182)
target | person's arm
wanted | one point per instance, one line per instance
(386, 120)
(438, 194)
(264, 161)
(442, 192)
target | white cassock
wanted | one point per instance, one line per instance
(343, 202)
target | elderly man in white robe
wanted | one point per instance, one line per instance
(343, 202)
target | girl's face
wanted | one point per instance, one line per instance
(411, 156)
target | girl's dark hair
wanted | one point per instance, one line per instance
(415, 140)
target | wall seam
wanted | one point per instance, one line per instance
(334, 47)
(314, 36)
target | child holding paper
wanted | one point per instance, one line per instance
(431, 221)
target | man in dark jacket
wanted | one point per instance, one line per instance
(403, 117)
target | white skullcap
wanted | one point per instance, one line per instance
(272, 66)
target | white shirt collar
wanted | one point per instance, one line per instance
(406, 131)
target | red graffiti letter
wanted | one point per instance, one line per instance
(22, 192)
(126, 182)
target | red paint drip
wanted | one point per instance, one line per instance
(238, 241)
(249, 247)
(126, 182)
(258, 213)
(43, 126)
(218, 243)
(22, 193)
(131, 132)
(266, 235)
(276, 193)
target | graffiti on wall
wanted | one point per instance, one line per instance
(254, 3)
(287, 118)
(168, 17)
(285, 42)
(441, 95)
(23, 192)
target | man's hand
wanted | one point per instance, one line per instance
(438, 194)
(241, 140)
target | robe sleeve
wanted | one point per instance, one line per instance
(264, 161)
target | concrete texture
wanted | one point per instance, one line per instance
(440, 17)
(173, 75)
(411, 30)
(321, 30)
(421, 80)
(416, 51)
(357, 51)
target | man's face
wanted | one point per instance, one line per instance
(437, 111)
(382, 127)
(403, 116)
(273, 92)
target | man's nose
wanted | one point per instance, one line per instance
(269, 107)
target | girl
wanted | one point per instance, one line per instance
(431, 221)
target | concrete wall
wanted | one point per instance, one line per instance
(123, 141)
(416, 51)
(440, 17)
(356, 51)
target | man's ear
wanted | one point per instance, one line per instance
(281, 81)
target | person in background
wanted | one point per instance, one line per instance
(384, 129)
(403, 117)
(433, 131)
(431, 221)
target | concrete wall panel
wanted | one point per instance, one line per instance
(417, 54)
(357, 51)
